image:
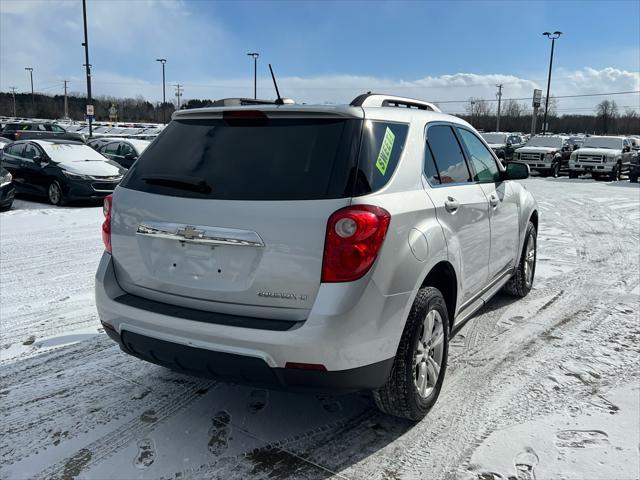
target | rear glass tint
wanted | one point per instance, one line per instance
(274, 159)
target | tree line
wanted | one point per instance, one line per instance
(606, 117)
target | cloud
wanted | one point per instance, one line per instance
(127, 36)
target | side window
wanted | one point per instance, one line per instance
(125, 149)
(111, 148)
(29, 152)
(380, 150)
(481, 158)
(15, 149)
(447, 154)
(430, 170)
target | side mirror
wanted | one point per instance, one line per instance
(576, 146)
(626, 149)
(516, 171)
(130, 156)
(509, 144)
(38, 159)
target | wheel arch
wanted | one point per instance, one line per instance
(443, 277)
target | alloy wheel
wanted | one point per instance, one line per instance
(429, 354)
(530, 260)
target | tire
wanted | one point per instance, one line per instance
(573, 174)
(614, 176)
(519, 285)
(6, 207)
(55, 194)
(400, 395)
(633, 178)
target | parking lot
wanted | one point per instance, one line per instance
(545, 387)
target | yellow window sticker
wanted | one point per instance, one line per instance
(385, 151)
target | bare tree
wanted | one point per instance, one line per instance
(607, 111)
(629, 121)
(479, 108)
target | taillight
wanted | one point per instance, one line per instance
(106, 225)
(17, 135)
(353, 240)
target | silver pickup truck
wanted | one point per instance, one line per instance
(601, 156)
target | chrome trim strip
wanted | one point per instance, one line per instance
(201, 235)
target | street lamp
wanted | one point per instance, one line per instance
(255, 56)
(33, 98)
(163, 61)
(553, 37)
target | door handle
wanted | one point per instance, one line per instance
(493, 200)
(451, 205)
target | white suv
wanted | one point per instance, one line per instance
(313, 247)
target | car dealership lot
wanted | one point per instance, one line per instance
(547, 384)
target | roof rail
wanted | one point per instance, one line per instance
(380, 100)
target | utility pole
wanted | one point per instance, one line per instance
(164, 100)
(13, 94)
(87, 65)
(499, 95)
(553, 37)
(255, 56)
(66, 104)
(179, 90)
(33, 98)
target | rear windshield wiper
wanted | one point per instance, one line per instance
(192, 184)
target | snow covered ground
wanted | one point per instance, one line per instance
(543, 388)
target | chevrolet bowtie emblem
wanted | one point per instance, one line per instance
(189, 233)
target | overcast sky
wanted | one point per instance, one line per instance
(327, 51)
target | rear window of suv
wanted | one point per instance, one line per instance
(267, 159)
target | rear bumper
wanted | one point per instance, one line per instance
(247, 370)
(355, 340)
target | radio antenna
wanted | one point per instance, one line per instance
(279, 101)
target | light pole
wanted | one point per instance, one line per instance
(87, 66)
(33, 98)
(553, 37)
(255, 56)
(163, 61)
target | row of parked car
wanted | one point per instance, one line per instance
(31, 129)
(64, 170)
(601, 156)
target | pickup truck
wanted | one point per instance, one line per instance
(547, 154)
(601, 156)
(503, 144)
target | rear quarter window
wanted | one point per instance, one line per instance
(380, 151)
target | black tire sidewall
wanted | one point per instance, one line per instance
(435, 300)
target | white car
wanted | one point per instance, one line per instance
(313, 248)
(601, 156)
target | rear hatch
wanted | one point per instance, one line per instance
(227, 211)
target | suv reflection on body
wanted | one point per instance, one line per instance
(601, 156)
(314, 248)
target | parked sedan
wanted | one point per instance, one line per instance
(61, 170)
(123, 151)
(7, 191)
